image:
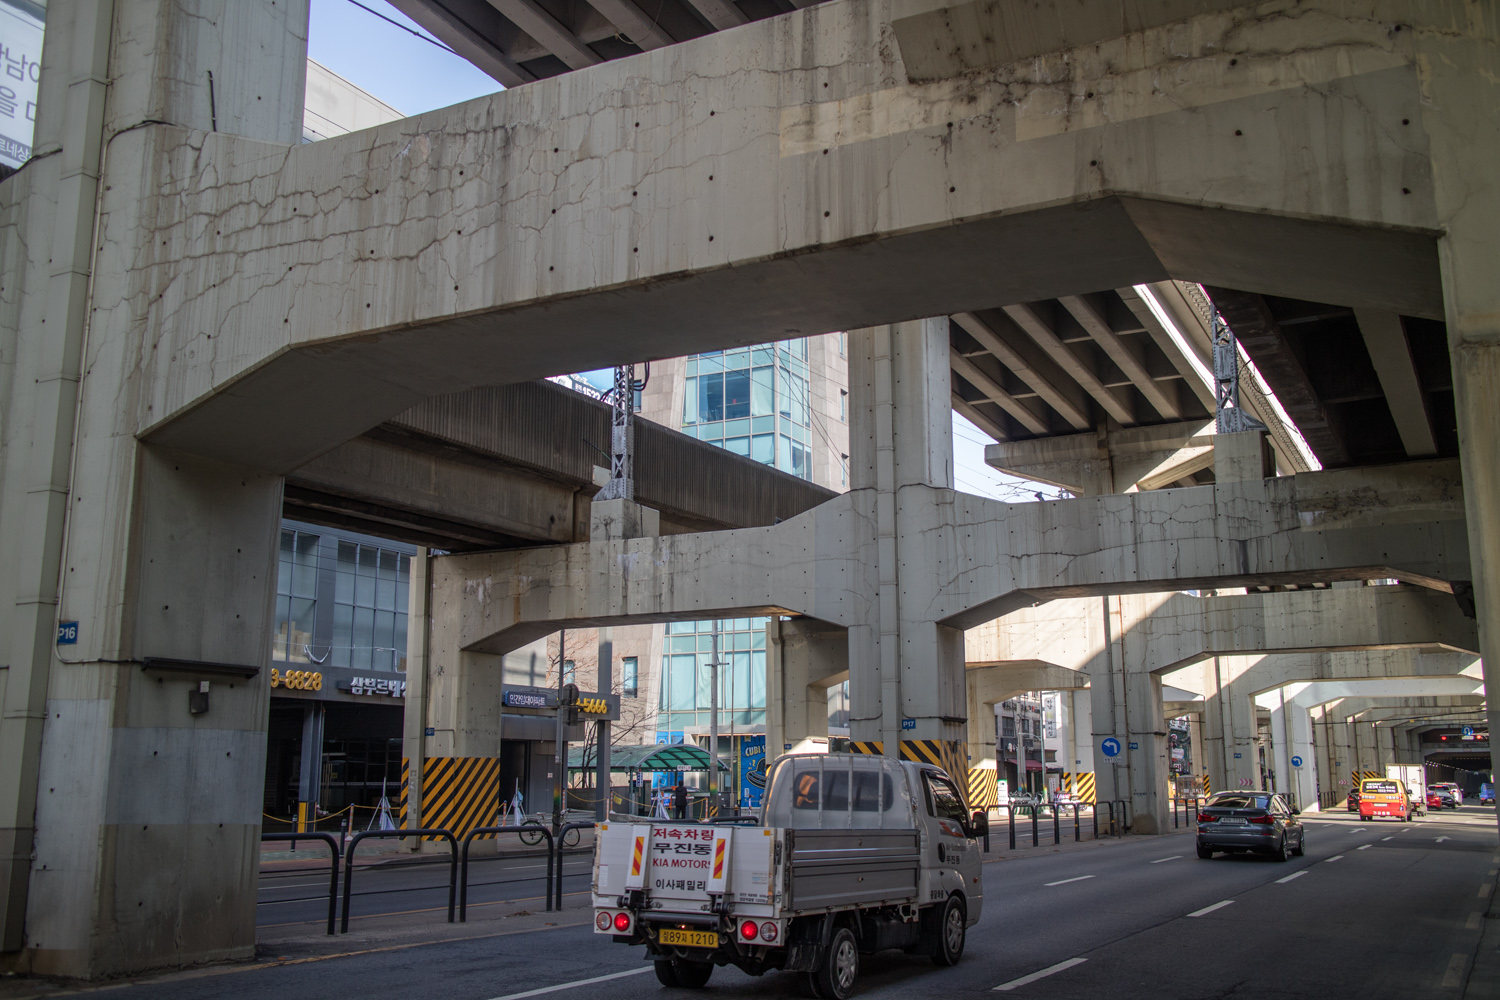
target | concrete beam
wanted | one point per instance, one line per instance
(1124, 460)
(1386, 341)
(1400, 522)
(380, 303)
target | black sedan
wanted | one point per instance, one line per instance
(1250, 822)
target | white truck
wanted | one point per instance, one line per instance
(1414, 777)
(854, 854)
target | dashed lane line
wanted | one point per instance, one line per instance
(1364, 847)
(1484, 890)
(1383, 839)
(1077, 878)
(1209, 909)
(1328, 861)
(1051, 970)
(1172, 858)
(1291, 876)
(578, 982)
(1454, 976)
(1472, 924)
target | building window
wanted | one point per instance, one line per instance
(685, 677)
(844, 405)
(755, 402)
(296, 593)
(841, 345)
(370, 604)
(630, 668)
(570, 672)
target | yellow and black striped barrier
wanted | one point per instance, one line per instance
(458, 793)
(984, 788)
(1208, 786)
(1079, 786)
(950, 755)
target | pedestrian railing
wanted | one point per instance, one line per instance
(333, 878)
(390, 834)
(558, 850)
(526, 831)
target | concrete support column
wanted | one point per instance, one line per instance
(1147, 753)
(1196, 748)
(414, 720)
(901, 446)
(1081, 730)
(1303, 780)
(1463, 150)
(804, 658)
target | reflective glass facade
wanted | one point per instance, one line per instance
(685, 675)
(754, 401)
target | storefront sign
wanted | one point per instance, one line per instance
(390, 687)
(297, 680)
(527, 699)
(20, 71)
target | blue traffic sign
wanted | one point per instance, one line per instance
(1296, 761)
(1468, 731)
(908, 724)
(1110, 747)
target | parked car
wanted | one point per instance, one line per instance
(1487, 794)
(1354, 801)
(1250, 822)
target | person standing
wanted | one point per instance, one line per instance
(679, 800)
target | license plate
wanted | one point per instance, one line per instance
(1234, 821)
(688, 939)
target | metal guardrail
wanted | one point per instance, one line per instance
(333, 883)
(1190, 805)
(463, 879)
(397, 834)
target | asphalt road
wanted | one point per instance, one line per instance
(1373, 910)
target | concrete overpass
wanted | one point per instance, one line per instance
(198, 306)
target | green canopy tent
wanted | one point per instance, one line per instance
(661, 757)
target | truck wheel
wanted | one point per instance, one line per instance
(832, 978)
(679, 972)
(952, 930)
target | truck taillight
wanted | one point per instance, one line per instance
(622, 922)
(602, 921)
(749, 930)
(768, 932)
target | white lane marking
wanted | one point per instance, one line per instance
(1172, 858)
(1358, 829)
(1387, 838)
(1024, 980)
(580, 982)
(1363, 847)
(1441, 839)
(1292, 876)
(1484, 890)
(1332, 859)
(1209, 909)
(1455, 974)
(1472, 924)
(1078, 878)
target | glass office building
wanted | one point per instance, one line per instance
(755, 401)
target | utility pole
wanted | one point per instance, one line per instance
(1229, 416)
(713, 721)
(601, 728)
(560, 757)
(621, 485)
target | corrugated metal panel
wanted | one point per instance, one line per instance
(564, 435)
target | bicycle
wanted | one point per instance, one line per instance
(569, 839)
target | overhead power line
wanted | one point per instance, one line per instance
(389, 20)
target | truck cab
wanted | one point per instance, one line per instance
(854, 854)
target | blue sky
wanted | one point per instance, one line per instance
(414, 75)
